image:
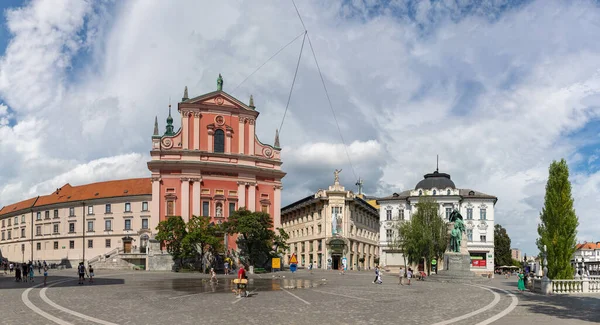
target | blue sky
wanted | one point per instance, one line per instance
(498, 89)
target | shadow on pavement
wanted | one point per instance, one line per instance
(568, 307)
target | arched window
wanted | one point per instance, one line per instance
(420, 192)
(434, 192)
(219, 141)
(448, 192)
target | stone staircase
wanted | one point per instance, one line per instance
(111, 261)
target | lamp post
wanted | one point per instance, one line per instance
(545, 265)
(524, 262)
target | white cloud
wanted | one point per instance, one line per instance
(497, 95)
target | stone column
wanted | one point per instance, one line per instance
(197, 132)
(241, 194)
(252, 197)
(196, 196)
(241, 134)
(251, 137)
(185, 132)
(185, 197)
(277, 206)
(228, 136)
(155, 205)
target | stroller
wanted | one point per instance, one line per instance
(242, 285)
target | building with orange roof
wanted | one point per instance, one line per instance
(76, 223)
(588, 255)
(214, 164)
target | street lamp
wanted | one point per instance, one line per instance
(545, 266)
(524, 262)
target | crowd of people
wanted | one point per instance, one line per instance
(25, 272)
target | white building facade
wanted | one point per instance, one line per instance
(79, 223)
(331, 228)
(476, 208)
(587, 258)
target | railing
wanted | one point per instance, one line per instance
(567, 286)
(585, 285)
(105, 255)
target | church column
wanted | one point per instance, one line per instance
(228, 136)
(185, 132)
(196, 196)
(241, 134)
(367, 257)
(251, 137)
(277, 206)
(155, 206)
(210, 142)
(185, 197)
(241, 194)
(197, 132)
(252, 197)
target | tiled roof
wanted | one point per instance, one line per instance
(26, 204)
(587, 245)
(100, 190)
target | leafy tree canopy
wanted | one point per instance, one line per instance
(558, 227)
(502, 253)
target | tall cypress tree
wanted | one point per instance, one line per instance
(558, 227)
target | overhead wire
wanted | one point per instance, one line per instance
(293, 82)
(274, 55)
(326, 91)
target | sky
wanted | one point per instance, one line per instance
(498, 89)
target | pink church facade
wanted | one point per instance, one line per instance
(214, 164)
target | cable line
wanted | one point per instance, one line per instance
(326, 92)
(293, 82)
(274, 55)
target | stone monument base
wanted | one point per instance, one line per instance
(457, 268)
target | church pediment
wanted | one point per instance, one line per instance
(218, 99)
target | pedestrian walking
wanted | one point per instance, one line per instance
(11, 267)
(31, 273)
(409, 275)
(377, 275)
(45, 274)
(81, 272)
(91, 273)
(521, 283)
(18, 275)
(226, 267)
(24, 271)
(401, 276)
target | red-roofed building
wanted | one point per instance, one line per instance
(590, 253)
(76, 223)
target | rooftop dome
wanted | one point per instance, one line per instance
(435, 180)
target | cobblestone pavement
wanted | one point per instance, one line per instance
(136, 297)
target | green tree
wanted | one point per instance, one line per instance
(558, 227)
(280, 242)
(172, 232)
(501, 247)
(256, 237)
(425, 236)
(202, 237)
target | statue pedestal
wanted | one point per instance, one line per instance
(457, 268)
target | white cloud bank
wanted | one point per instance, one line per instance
(497, 95)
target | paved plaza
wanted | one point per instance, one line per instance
(136, 297)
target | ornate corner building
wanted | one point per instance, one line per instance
(332, 228)
(214, 164)
(476, 208)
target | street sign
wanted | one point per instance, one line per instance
(293, 259)
(293, 267)
(276, 263)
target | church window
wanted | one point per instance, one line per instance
(219, 141)
(205, 209)
(434, 192)
(448, 192)
(420, 192)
